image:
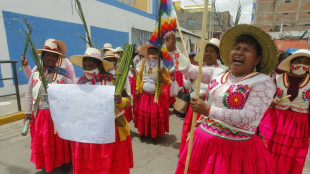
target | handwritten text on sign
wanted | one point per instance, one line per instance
(83, 113)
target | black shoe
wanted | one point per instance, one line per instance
(66, 167)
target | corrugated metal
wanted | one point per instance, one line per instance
(143, 35)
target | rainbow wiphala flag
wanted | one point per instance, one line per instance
(168, 23)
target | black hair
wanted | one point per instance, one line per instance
(298, 58)
(248, 39)
(98, 62)
(152, 48)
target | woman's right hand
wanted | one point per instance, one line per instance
(24, 60)
(27, 117)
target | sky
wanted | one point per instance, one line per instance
(231, 6)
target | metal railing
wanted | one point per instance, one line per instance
(13, 62)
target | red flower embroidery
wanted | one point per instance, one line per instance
(235, 100)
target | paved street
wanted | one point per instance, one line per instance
(149, 156)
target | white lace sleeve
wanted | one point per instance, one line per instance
(259, 99)
(191, 71)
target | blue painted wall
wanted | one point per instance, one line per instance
(1, 82)
(101, 36)
(43, 29)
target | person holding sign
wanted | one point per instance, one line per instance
(152, 118)
(285, 124)
(112, 158)
(225, 141)
(48, 150)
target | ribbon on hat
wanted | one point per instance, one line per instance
(49, 48)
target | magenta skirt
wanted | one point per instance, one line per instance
(128, 114)
(48, 150)
(112, 158)
(212, 152)
(179, 78)
(152, 118)
(186, 127)
(286, 134)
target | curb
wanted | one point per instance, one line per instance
(11, 118)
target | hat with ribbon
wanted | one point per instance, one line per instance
(54, 46)
(110, 54)
(92, 53)
(286, 63)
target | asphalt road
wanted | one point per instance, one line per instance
(151, 157)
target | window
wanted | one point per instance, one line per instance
(287, 1)
(191, 21)
(307, 24)
(285, 13)
(308, 12)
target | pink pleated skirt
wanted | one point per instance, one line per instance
(286, 134)
(186, 127)
(214, 152)
(112, 158)
(48, 150)
(128, 114)
(152, 118)
(171, 100)
(179, 78)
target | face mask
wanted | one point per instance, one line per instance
(153, 57)
(89, 74)
(299, 69)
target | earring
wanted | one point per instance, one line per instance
(254, 69)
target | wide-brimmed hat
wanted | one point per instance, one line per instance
(214, 41)
(110, 54)
(93, 53)
(286, 63)
(107, 46)
(54, 46)
(118, 49)
(269, 49)
(145, 47)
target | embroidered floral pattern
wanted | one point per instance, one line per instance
(306, 95)
(279, 92)
(235, 99)
(62, 81)
(177, 56)
(213, 84)
(34, 82)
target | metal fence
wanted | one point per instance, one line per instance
(13, 63)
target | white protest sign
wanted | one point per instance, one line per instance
(83, 113)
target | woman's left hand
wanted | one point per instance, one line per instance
(117, 99)
(199, 106)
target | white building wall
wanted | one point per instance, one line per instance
(102, 14)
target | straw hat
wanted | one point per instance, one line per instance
(269, 49)
(93, 53)
(106, 46)
(213, 41)
(110, 54)
(54, 46)
(286, 63)
(118, 49)
(145, 47)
